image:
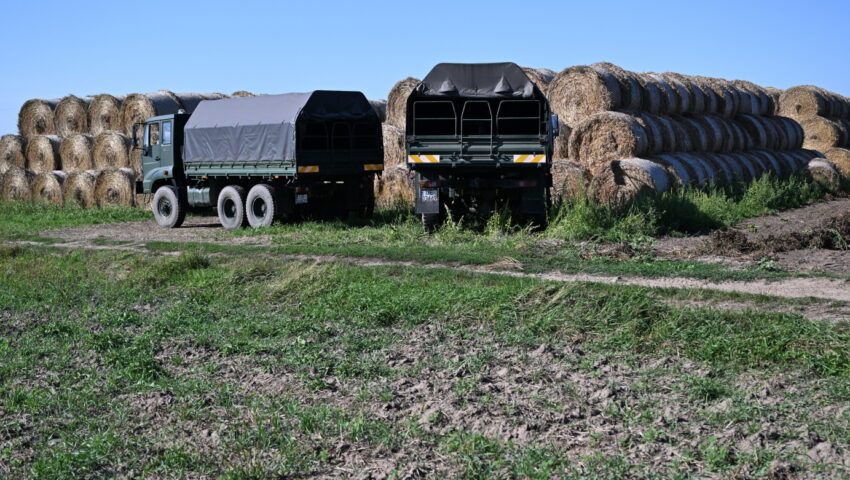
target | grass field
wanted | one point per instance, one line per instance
(237, 367)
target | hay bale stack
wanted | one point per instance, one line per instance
(569, 180)
(47, 187)
(578, 92)
(607, 136)
(111, 150)
(43, 153)
(12, 152)
(380, 107)
(78, 189)
(242, 93)
(114, 187)
(71, 116)
(397, 101)
(16, 184)
(394, 151)
(541, 77)
(104, 113)
(138, 107)
(621, 181)
(806, 101)
(76, 152)
(840, 157)
(190, 101)
(822, 133)
(36, 117)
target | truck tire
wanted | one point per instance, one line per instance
(169, 209)
(261, 206)
(431, 222)
(231, 207)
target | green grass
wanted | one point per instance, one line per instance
(86, 333)
(19, 220)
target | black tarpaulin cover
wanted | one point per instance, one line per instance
(480, 80)
(263, 128)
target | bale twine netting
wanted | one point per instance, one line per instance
(104, 113)
(840, 157)
(822, 133)
(76, 152)
(190, 101)
(380, 107)
(114, 187)
(397, 101)
(71, 116)
(47, 187)
(394, 151)
(16, 184)
(111, 150)
(43, 153)
(569, 180)
(78, 189)
(809, 101)
(36, 117)
(12, 152)
(138, 107)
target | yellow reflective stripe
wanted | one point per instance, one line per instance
(373, 166)
(423, 159)
(529, 158)
(309, 169)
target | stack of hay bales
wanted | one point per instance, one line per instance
(77, 150)
(646, 132)
(825, 118)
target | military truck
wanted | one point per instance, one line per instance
(260, 159)
(479, 137)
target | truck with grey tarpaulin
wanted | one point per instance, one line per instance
(264, 158)
(479, 138)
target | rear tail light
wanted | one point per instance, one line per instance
(302, 190)
(526, 183)
(427, 183)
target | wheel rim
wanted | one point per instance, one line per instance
(259, 208)
(164, 207)
(229, 208)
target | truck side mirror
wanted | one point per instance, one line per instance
(135, 139)
(556, 126)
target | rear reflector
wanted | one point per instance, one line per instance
(309, 169)
(423, 159)
(372, 167)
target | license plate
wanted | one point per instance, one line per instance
(300, 199)
(428, 195)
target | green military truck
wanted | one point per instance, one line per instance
(479, 137)
(260, 159)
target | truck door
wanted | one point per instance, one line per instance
(151, 147)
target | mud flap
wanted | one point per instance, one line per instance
(427, 200)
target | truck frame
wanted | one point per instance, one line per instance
(261, 159)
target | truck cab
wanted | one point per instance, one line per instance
(161, 145)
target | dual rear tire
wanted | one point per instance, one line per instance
(257, 208)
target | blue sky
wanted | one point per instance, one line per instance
(55, 48)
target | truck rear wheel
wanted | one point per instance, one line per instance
(231, 207)
(261, 206)
(431, 222)
(169, 209)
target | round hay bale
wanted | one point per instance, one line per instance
(569, 180)
(804, 101)
(731, 165)
(138, 107)
(669, 98)
(541, 77)
(190, 101)
(720, 163)
(756, 129)
(242, 93)
(654, 131)
(773, 163)
(394, 150)
(711, 102)
(397, 101)
(691, 99)
(78, 189)
(747, 101)
(728, 99)
(16, 185)
(561, 147)
(773, 94)
(380, 107)
(12, 152)
(666, 132)
(104, 113)
(747, 167)
(630, 89)
(651, 94)
(683, 136)
(742, 140)
(799, 160)
(114, 187)
(679, 171)
(619, 182)
(822, 133)
(47, 187)
(699, 139)
(763, 103)
(607, 136)
(759, 163)
(71, 116)
(706, 172)
(394, 188)
(825, 173)
(714, 133)
(840, 157)
(36, 117)
(578, 92)
(76, 152)
(111, 150)
(43, 153)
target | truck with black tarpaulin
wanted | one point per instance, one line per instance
(259, 159)
(478, 138)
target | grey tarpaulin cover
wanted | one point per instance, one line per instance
(263, 128)
(480, 80)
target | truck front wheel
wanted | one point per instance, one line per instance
(261, 206)
(231, 207)
(169, 209)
